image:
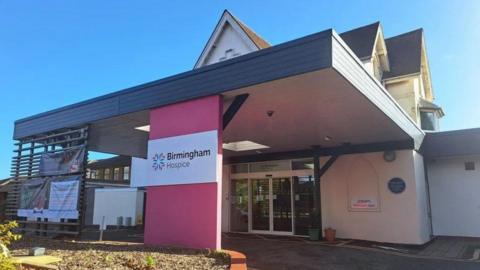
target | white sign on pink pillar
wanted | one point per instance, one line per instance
(184, 159)
(183, 173)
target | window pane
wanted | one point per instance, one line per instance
(107, 175)
(116, 174)
(269, 166)
(100, 174)
(240, 168)
(428, 120)
(304, 164)
(239, 206)
(126, 173)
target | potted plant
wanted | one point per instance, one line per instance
(330, 234)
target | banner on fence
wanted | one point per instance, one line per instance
(50, 197)
(64, 162)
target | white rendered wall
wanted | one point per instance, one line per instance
(400, 218)
(455, 196)
(368, 65)
(422, 196)
(404, 93)
(229, 39)
(116, 202)
(138, 171)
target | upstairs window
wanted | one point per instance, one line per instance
(116, 174)
(107, 174)
(429, 120)
(91, 174)
(100, 174)
(126, 173)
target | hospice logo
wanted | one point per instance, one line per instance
(158, 162)
(177, 160)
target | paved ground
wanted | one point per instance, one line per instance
(266, 254)
(453, 247)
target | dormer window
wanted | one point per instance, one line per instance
(429, 115)
(429, 120)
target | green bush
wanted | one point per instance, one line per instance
(6, 238)
(150, 262)
(6, 263)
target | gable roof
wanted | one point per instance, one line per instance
(404, 53)
(255, 41)
(362, 40)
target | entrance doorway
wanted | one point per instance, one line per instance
(272, 205)
(271, 202)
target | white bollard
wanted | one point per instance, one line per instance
(102, 228)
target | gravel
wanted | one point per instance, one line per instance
(121, 255)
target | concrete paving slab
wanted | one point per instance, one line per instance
(266, 254)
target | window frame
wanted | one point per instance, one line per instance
(435, 119)
(126, 169)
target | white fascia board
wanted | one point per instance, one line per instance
(402, 78)
(351, 68)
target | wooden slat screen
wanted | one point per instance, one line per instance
(25, 165)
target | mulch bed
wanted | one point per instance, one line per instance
(121, 255)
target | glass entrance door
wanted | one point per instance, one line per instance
(272, 205)
(282, 204)
(261, 204)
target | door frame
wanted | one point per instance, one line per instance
(269, 175)
(270, 206)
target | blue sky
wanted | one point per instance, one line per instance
(54, 53)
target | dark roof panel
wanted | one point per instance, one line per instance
(117, 161)
(362, 40)
(306, 54)
(404, 54)
(451, 143)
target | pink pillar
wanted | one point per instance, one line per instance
(186, 215)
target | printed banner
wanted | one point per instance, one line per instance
(65, 162)
(63, 199)
(50, 198)
(34, 196)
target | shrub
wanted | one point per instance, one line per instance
(6, 238)
(150, 262)
(6, 234)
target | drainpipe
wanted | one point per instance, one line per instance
(427, 190)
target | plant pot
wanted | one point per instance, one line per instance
(330, 234)
(314, 234)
